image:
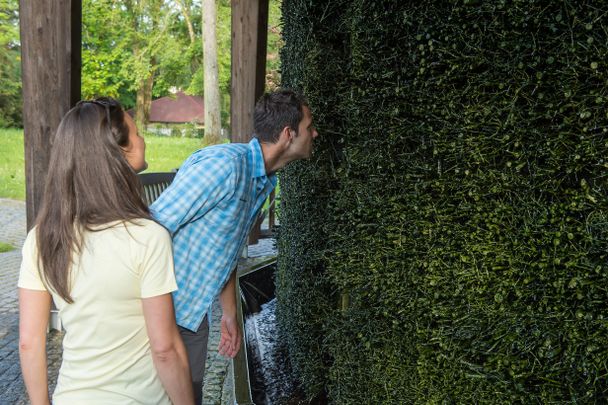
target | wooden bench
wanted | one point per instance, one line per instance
(154, 184)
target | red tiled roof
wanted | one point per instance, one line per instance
(178, 109)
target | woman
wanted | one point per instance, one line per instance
(107, 266)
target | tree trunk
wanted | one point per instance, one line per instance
(144, 101)
(186, 13)
(143, 98)
(140, 113)
(148, 85)
(211, 94)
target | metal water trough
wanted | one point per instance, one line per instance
(255, 287)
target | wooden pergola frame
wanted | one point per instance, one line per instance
(51, 66)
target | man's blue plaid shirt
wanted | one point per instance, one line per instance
(209, 209)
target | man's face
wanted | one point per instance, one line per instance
(302, 141)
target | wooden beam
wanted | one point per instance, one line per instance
(262, 49)
(249, 41)
(50, 61)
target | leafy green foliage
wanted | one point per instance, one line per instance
(104, 52)
(123, 44)
(462, 221)
(305, 295)
(10, 62)
(275, 43)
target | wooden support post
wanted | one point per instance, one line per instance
(249, 41)
(262, 50)
(50, 61)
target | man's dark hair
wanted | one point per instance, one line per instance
(275, 111)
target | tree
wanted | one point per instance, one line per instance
(223, 34)
(185, 10)
(275, 42)
(212, 91)
(133, 50)
(10, 62)
(105, 53)
(148, 29)
(142, 49)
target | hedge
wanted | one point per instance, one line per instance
(305, 295)
(448, 240)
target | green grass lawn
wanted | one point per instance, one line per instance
(162, 154)
(5, 247)
(12, 167)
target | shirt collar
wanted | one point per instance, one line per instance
(257, 158)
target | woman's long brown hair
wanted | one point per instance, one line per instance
(89, 183)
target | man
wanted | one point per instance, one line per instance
(209, 210)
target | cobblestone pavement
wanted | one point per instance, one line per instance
(218, 383)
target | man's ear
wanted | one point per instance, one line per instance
(286, 135)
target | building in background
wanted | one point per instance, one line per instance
(176, 115)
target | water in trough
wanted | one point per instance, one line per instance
(272, 382)
(270, 374)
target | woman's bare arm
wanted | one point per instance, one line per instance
(34, 310)
(168, 351)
